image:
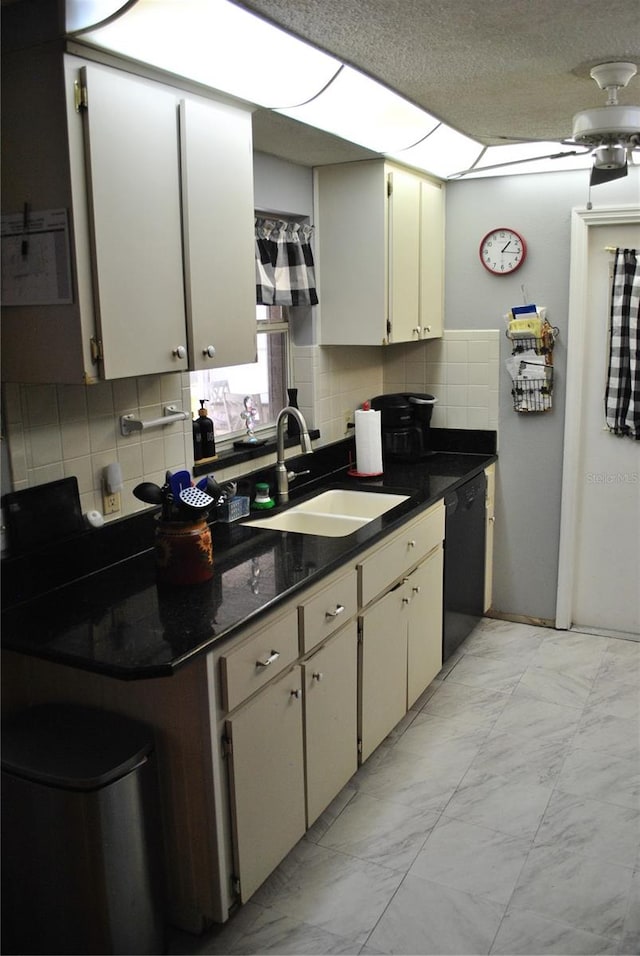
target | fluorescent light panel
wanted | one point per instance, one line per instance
(364, 111)
(515, 152)
(220, 45)
(442, 152)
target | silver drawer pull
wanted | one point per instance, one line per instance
(273, 656)
(297, 694)
(338, 610)
(318, 675)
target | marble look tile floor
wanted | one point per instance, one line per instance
(501, 816)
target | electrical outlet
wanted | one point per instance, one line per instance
(110, 503)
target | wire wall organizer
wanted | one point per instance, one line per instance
(530, 364)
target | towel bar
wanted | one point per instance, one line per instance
(129, 423)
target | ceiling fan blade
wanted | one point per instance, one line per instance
(599, 176)
(518, 162)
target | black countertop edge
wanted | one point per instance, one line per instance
(189, 616)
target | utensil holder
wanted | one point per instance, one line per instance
(183, 552)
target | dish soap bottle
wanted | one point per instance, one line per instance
(208, 449)
(197, 439)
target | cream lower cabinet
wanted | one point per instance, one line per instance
(424, 628)
(291, 749)
(290, 732)
(383, 670)
(490, 474)
(266, 775)
(400, 628)
(330, 719)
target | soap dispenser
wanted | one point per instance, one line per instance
(208, 449)
(197, 439)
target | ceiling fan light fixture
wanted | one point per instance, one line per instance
(609, 157)
(606, 124)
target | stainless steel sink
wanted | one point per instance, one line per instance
(334, 513)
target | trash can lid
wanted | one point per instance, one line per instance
(73, 747)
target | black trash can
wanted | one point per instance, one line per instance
(81, 841)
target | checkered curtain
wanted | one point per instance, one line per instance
(285, 271)
(622, 397)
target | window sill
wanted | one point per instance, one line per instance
(229, 457)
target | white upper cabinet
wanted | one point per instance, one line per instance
(133, 180)
(219, 247)
(157, 184)
(380, 254)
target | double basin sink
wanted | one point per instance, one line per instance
(334, 513)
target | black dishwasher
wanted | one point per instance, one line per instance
(464, 557)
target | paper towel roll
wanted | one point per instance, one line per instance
(368, 442)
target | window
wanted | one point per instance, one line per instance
(258, 388)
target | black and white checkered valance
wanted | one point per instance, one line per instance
(622, 396)
(285, 271)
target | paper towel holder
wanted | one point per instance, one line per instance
(368, 443)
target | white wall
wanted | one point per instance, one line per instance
(530, 466)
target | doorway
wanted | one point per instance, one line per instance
(599, 557)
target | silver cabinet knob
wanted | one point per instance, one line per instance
(339, 609)
(273, 656)
(180, 352)
(416, 589)
(209, 351)
(411, 543)
(427, 328)
(296, 693)
(405, 600)
(416, 331)
(318, 676)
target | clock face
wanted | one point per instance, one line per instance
(502, 251)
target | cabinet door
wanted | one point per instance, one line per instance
(383, 669)
(404, 255)
(266, 779)
(132, 157)
(490, 474)
(424, 636)
(330, 688)
(431, 259)
(218, 213)
(351, 218)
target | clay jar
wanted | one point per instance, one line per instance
(184, 552)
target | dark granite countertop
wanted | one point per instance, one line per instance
(118, 621)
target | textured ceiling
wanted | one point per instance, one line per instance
(489, 68)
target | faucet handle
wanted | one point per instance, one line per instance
(291, 475)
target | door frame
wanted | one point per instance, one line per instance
(581, 221)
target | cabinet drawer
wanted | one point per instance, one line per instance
(379, 569)
(249, 666)
(327, 610)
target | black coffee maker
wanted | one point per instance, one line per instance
(405, 421)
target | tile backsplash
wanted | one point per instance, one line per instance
(461, 370)
(59, 430)
(55, 431)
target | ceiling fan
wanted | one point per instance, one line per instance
(611, 132)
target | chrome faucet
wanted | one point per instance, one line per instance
(283, 476)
